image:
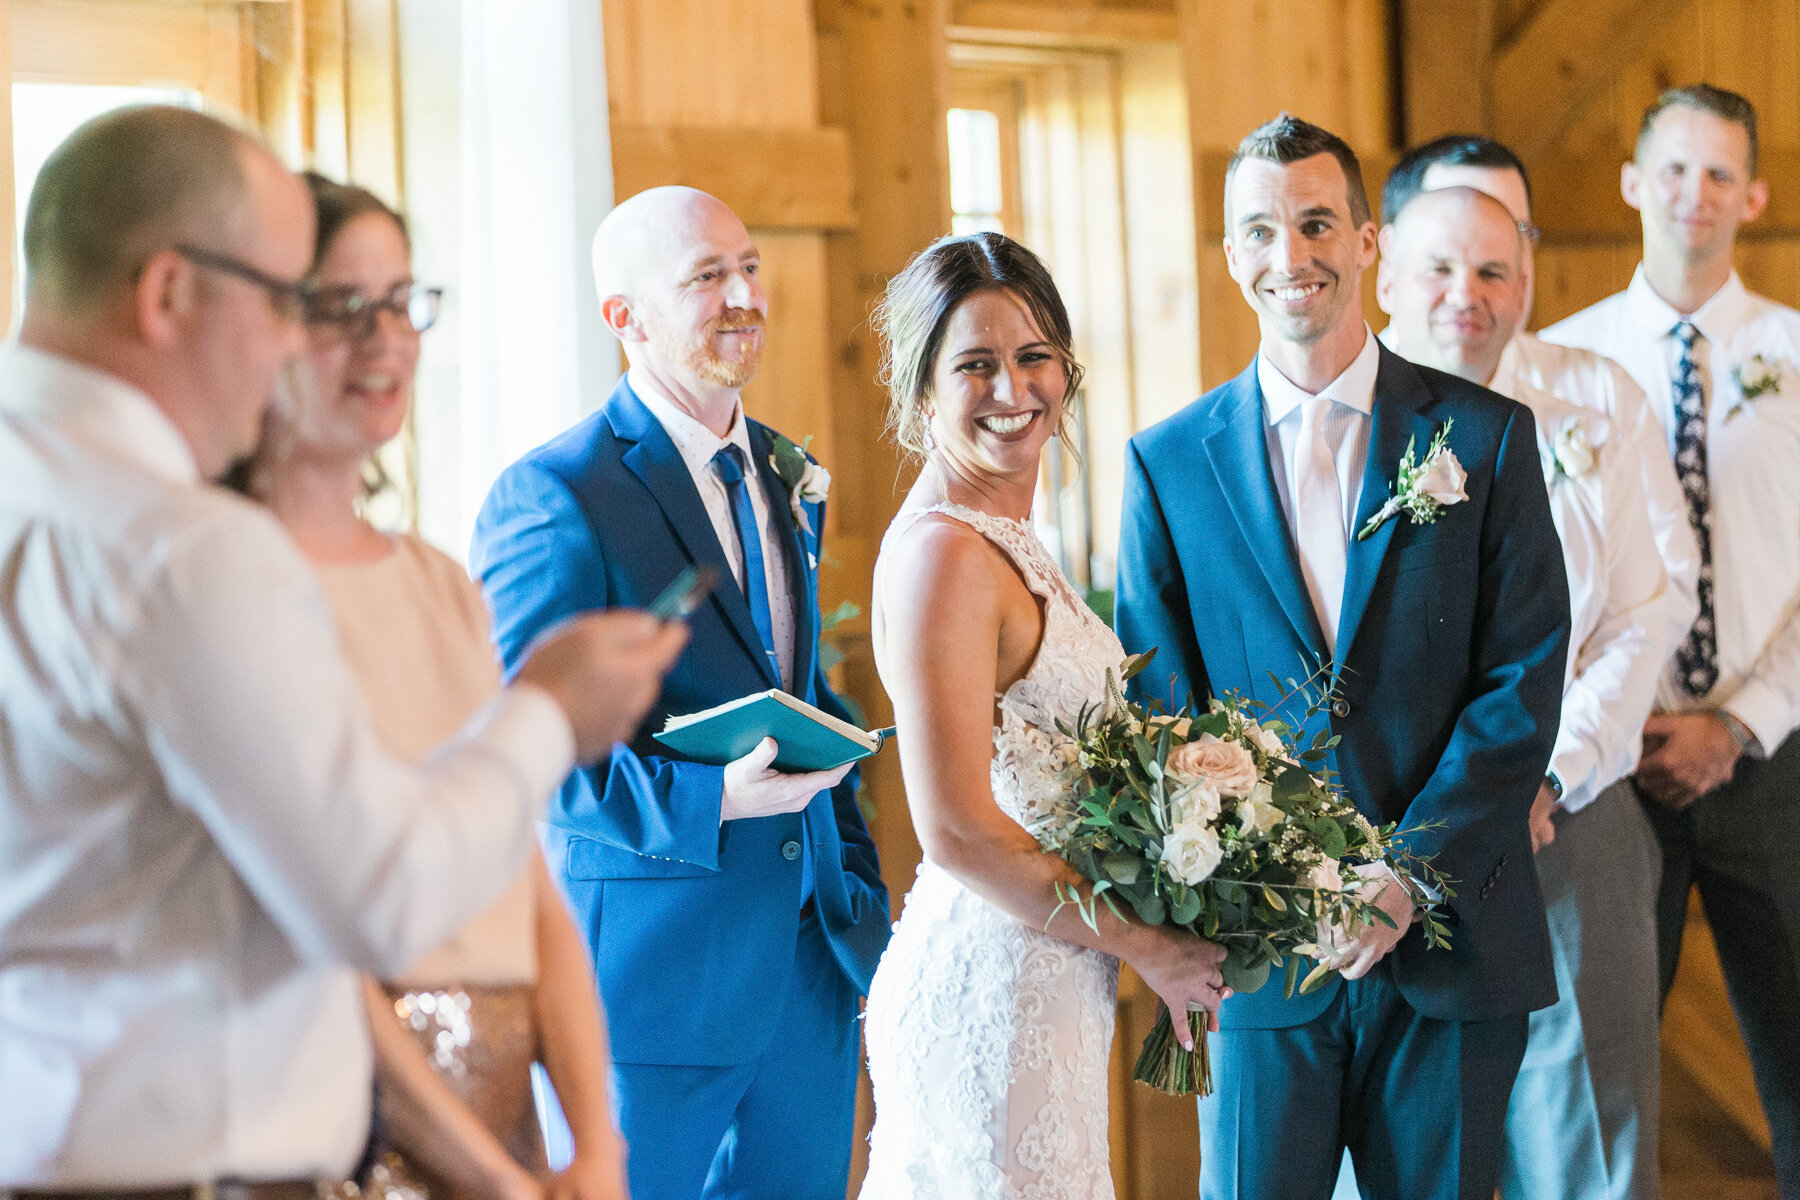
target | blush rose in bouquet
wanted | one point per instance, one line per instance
(1223, 823)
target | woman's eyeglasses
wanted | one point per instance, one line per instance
(355, 313)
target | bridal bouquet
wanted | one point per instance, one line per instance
(1224, 824)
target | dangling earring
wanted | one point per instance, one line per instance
(930, 442)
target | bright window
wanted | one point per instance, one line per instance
(976, 195)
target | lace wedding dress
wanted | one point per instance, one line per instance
(987, 1038)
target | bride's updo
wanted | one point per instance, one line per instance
(917, 305)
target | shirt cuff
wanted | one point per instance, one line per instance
(1764, 711)
(1575, 765)
(528, 731)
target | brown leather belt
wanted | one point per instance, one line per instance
(225, 1189)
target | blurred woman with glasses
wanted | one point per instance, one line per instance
(455, 1036)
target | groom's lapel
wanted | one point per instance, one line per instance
(1399, 395)
(659, 467)
(1239, 453)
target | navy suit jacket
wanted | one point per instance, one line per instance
(692, 922)
(1452, 642)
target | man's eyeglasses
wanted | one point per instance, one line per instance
(355, 313)
(289, 298)
(1529, 232)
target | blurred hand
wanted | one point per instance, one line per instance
(605, 670)
(754, 789)
(1185, 972)
(1374, 940)
(590, 1178)
(1686, 755)
(1543, 829)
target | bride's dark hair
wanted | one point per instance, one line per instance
(917, 305)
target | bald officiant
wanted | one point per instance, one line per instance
(735, 913)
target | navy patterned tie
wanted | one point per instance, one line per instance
(1697, 659)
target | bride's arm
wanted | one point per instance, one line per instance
(952, 609)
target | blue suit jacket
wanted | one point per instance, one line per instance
(692, 923)
(1452, 642)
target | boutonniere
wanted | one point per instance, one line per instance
(1755, 377)
(1422, 490)
(1575, 456)
(805, 480)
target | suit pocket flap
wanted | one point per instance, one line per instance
(589, 859)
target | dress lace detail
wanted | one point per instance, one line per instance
(988, 1039)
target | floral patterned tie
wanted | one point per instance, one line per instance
(1697, 659)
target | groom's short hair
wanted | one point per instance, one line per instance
(1288, 139)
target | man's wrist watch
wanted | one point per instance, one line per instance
(1556, 785)
(1740, 733)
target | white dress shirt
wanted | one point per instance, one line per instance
(1589, 380)
(1753, 447)
(698, 446)
(1625, 618)
(200, 834)
(1345, 427)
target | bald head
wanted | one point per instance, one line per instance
(1454, 280)
(678, 280)
(129, 184)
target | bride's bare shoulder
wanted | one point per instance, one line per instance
(935, 559)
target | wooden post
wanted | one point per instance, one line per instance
(884, 79)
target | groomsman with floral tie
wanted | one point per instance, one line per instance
(1259, 536)
(1721, 767)
(1583, 1116)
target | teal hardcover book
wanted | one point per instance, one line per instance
(809, 739)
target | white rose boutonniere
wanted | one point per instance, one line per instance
(1422, 490)
(1756, 376)
(806, 481)
(1576, 457)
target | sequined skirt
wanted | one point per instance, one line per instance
(481, 1041)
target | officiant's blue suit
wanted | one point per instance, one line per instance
(1451, 648)
(732, 1013)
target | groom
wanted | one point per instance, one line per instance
(735, 914)
(1241, 556)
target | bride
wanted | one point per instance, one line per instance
(991, 1016)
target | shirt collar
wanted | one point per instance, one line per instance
(97, 408)
(1715, 319)
(1355, 387)
(696, 444)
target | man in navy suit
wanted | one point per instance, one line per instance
(1243, 553)
(735, 913)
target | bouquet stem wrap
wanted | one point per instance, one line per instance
(1168, 1068)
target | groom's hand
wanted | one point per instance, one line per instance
(1375, 939)
(753, 788)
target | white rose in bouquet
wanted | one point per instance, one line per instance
(1268, 740)
(1257, 812)
(1196, 803)
(1226, 765)
(1192, 853)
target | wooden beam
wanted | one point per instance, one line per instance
(1576, 200)
(1066, 24)
(1445, 67)
(772, 178)
(1565, 56)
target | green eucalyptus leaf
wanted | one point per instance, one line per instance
(1243, 977)
(1121, 868)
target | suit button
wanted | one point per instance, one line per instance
(790, 850)
(1340, 708)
